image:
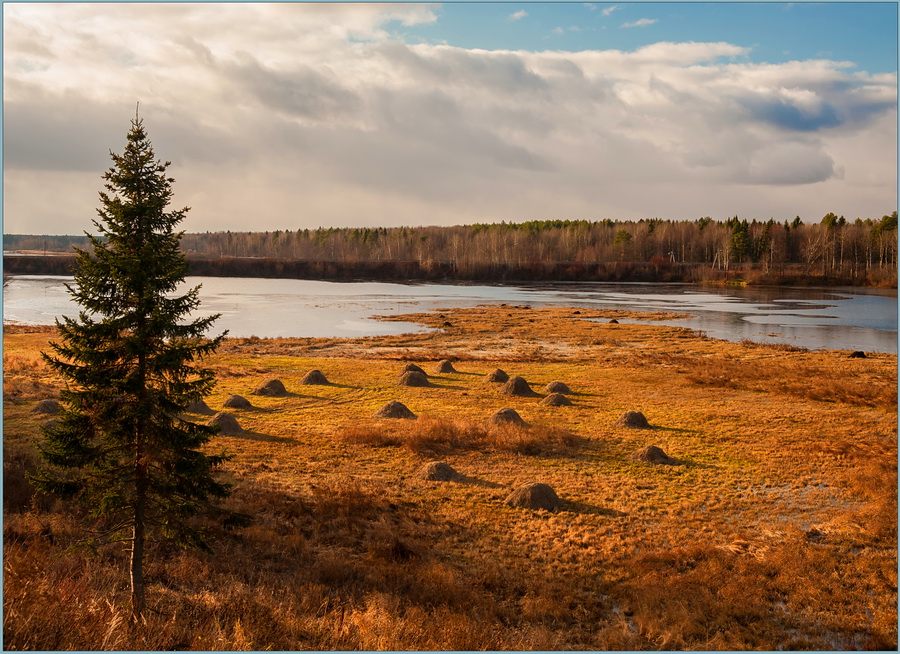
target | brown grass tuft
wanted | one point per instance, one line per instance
(440, 436)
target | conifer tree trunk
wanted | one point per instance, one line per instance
(138, 593)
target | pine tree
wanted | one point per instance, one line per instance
(130, 367)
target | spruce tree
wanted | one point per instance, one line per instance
(130, 367)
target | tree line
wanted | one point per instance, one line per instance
(831, 247)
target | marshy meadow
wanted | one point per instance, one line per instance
(755, 508)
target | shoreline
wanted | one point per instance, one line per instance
(740, 274)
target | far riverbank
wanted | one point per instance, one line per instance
(492, 272)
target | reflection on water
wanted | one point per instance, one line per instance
(843, 318)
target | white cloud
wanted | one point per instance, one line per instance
(642, 22)
(590, 6)
(518, 15)
(287, 116)
(558, 30)
(608, 10)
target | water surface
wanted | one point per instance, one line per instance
(839, 318)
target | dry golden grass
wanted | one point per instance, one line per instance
(855, 384)
(780, 531)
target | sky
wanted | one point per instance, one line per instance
(292, 116)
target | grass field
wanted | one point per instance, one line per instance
(778, 531)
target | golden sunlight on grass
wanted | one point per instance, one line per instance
(778, 528)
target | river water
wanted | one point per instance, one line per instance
(836, 318)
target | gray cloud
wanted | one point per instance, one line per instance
(499, 72)
(789, 117)
(300, 91)
(66, 133)
(789, 163)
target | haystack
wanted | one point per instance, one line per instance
(507, 416)
(314, 378)
(556, 399)
(200, 407)
(613, 322)
(47, 406)
(271, 388)
(653, 454)
(237, 402)
(497, 376)
(411, 367)
(557, 387)
(858, 354)
(226, 423)
(633, 419)
(414, 378)
(517, 386)
(444, 366)
(438, 471)
(394, 409)
(535, 495)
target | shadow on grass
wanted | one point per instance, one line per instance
(673, 430)
(690, 463)
(439, 386)
(330, 385)
(262, 438)
(247, 409)
(475, 481)
(584, 507)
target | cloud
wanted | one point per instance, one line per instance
(312, 114)
(590, 6)
(518, 15)
(608, 10)
(643, 22)
(301, 92)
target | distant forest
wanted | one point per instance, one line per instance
(835, 249)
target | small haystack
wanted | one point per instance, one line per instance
(557, 387)
(653, 454)
(271, 388)
(237, 402)
(507, 416)
(438, 471)
(556, 399)
(858, 355)
(200, 407)
(444, 366)
(394, 409)
(226, 423)
(633, 419)
(517, 386)
(497, 376)
(414, 378)
(314, 378)
(535, 495)
(411, 367)
(50, 407)
(613, 322)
